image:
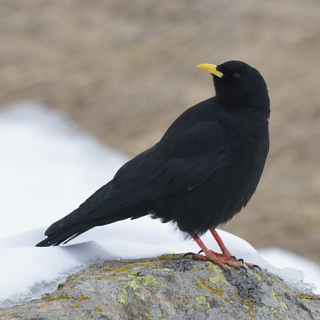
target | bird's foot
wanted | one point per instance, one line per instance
(224, 261)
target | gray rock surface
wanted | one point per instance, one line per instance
(168, 287)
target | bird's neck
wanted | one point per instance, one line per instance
(255, 104)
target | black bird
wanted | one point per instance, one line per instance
(201, 173)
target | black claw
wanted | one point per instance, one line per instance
(200, 251)
(256, 266)
(233, 257)
(240, 260)
(244, 268)
(188, 254)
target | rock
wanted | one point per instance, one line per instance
(168, 287)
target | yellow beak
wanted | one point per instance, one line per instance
(212, 68)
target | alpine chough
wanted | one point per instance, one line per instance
(201, 173)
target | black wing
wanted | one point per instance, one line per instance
(184, 161)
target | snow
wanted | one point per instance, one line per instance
(47, 168)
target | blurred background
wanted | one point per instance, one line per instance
(125, 70)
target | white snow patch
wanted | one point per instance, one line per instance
(306, 280)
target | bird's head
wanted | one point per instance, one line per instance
(238, 85)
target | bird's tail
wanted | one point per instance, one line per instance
(69, 227)
(65, 234)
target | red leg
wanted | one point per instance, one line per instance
(222, 260)
(224, 250)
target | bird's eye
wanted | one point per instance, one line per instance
(236, 75)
